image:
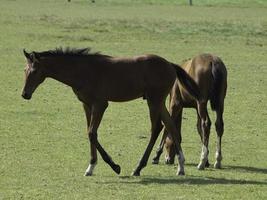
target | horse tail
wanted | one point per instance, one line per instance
(187, 82)
(219, 75)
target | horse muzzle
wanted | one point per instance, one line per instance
(26, 95)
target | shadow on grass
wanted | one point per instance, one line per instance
(247, 169)
(239, 168)
(197, 180)
(200, 181)
(194, 180)
(190, 180)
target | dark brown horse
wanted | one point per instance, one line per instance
(210, 74)
(97, 79)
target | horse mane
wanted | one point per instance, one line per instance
(69, 52)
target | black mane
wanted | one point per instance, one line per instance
(68, 52)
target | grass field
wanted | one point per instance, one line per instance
(43, 142)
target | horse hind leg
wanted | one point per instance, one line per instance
(156, 127)
(171, 128)
(205, 130)
(159, 151)
(199, 130)
(219, 124)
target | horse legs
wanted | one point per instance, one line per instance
(156, 127)
(159, 151)
(93, 160)
(205, 129)
(176, 115)
(170, 126)
(219, 129)
(199, 130)
(97, 112)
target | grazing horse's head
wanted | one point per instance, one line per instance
(34, 74)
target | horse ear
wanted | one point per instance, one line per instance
(35, 57)
(27, 55)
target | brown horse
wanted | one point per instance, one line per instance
(210, 74)
(97, 79)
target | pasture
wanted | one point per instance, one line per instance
(43, 142)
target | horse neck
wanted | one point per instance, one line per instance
(61, 69)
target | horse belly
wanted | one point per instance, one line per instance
(120, 92)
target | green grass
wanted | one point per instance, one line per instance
(43, 143)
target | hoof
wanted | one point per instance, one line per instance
(207, 164)
(217, 165)
(117, 169)
(169, 161)
(90, 169)
(135, 173)
(88, 174)
(155, 161)
(201, 166)
(180, 173)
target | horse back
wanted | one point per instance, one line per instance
(209, 72)
(131, 78)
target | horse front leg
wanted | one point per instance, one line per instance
(175, 109)
(205, 124)
(93, 160)
(97, 112)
